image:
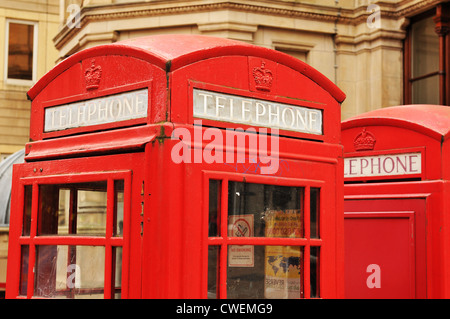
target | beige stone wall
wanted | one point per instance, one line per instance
(3, 253)
(14, 105)
(332, 36)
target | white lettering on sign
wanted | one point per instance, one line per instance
(249, 111)
(108, 109)
(383, 165)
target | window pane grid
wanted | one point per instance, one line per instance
(301, 262)
(32, 241)
(21, 48)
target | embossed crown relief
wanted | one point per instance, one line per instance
(263, 78)
(364, 141)
(93, 76)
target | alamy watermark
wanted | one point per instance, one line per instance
(230, 146)
(74, 18)
(374, 19)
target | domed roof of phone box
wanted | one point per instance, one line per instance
(171, 52)
(431, 120)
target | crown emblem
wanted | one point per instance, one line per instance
(364, 141)
(263, 78)
(93, 76)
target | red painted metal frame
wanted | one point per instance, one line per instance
(410, 215)
(59, 172)
(176, 229)
(108, 241)
(167, 240)
(223, 240)
(409, 128)
(431, 259)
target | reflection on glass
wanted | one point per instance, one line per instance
(117, 284)
(73, 209)
(258, 210)
(314, 212)
(214, 207)
(28, 192)
(91, 211)
(118, 223)
(425, 48)
(426, 91)
(272, 272)
(69, 271)
(20, 51)
(314, 271)
(25, 252)
(213, 268)
(425, 62)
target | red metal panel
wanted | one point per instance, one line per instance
(177, 233)
(239, 81)
(168, 240)
(380, 259)
(422, 130)
(425, 198)
(130, 139)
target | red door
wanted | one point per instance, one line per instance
(385, 249)
(75, 228)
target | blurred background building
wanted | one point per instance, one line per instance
(380, 53)
(27, 52)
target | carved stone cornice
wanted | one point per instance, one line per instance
(442, 20)
(331, 14)
(136, 10)
(409, 8)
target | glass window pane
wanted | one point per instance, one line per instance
(64, 212)
(257, 210)
(314, 212)
(117, 284)
(91, 209)
(73, 209)
(119, 198)
(314, 271)
(426, 91)
(425, 48)
(277, 273)
(28, 192)
(25, 252)
(69, 271)
(20, 51)
(48, 209)
(213, 272)
(214, 208)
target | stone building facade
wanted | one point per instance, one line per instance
(27, 52)
(27, 28)
(362, 45)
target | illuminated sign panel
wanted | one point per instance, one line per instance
(383, 165)
(103, 110)
(249, 111)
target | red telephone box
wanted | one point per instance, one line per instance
(396, 203)
(179, 167)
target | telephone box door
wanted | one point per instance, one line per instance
(75, 228)
(384, 249)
